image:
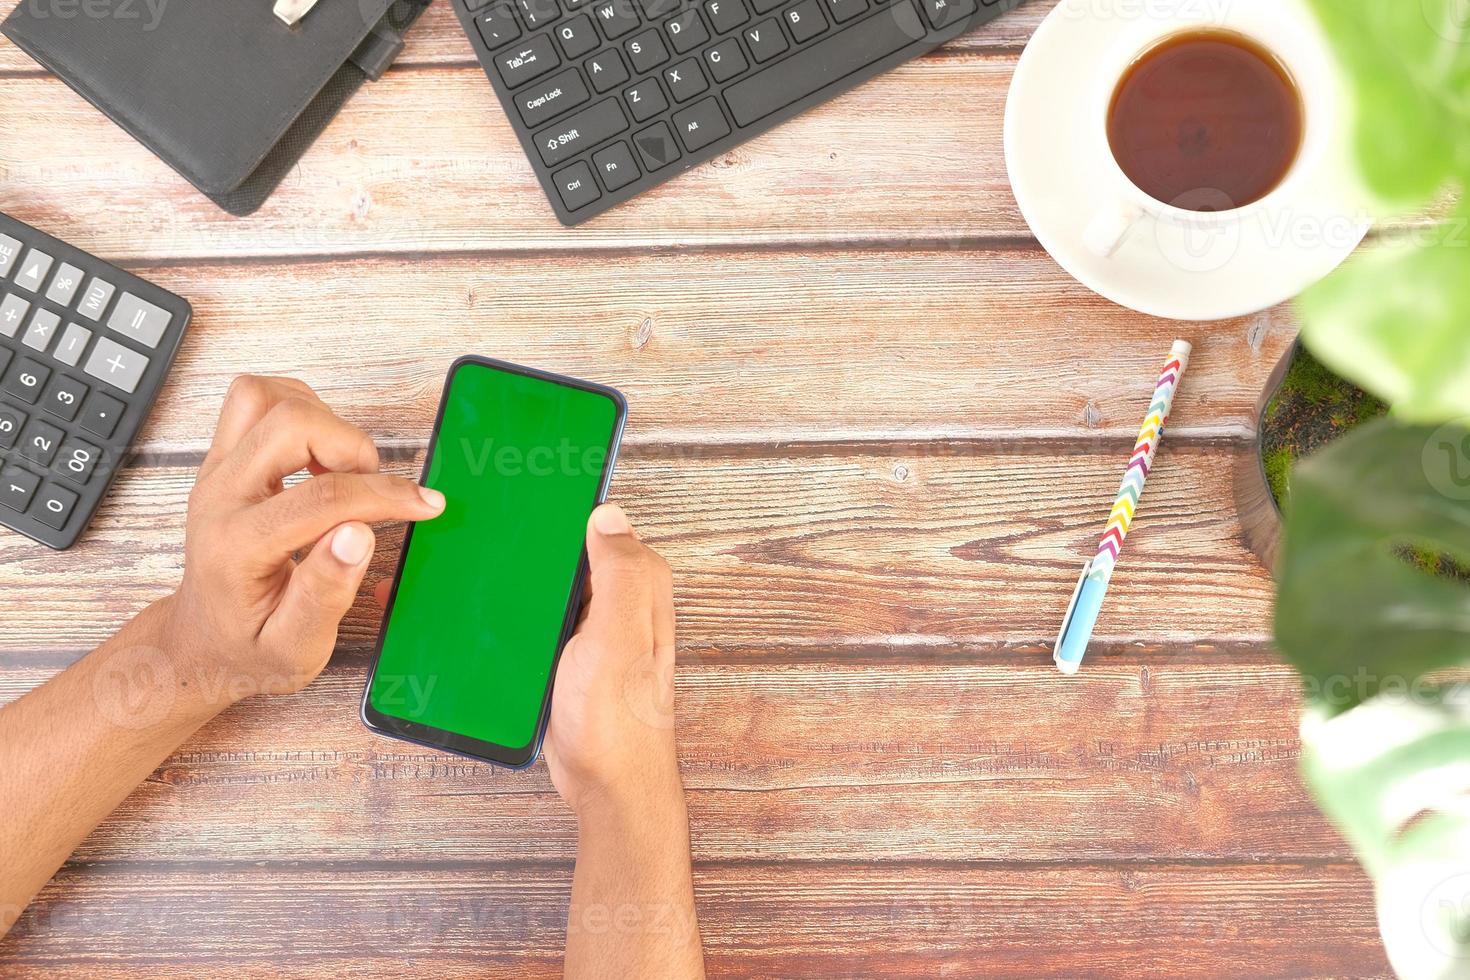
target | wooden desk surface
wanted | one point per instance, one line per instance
(875, 430)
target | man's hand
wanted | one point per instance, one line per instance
(611, 737)
(248, 617)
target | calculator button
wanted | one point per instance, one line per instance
(576, 186)
(101, 414)
(95, 300)
(77, 460)
(64, 287)
(11, 421)
(5, 357)
(615, 166)
(139, 319)
(26, 379)
(73, 342)
(64, 397)
(33, 269)
(13, 310)
(43, 327)
(498, 25)
(9, 249)
(53, 505)
(122, 367)
(39, 442)
(17, 486)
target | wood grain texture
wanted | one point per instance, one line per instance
(939, 759)
(746, 347)
(759, 921)
(778, 551)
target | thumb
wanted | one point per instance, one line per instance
(621, 601)
(321, 590)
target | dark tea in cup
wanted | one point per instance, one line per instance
(1206, 120)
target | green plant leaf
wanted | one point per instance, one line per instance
(1352, 613)
(1396, 321)
(1408, 63)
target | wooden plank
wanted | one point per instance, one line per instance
(437, 39)
(745, 347)
(758, 921)
(915, 156)
(810, 761)
(790, 550)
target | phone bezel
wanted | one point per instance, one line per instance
(463, 745)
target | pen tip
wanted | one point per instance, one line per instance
(1068, 667)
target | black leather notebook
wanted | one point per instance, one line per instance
(222, 90)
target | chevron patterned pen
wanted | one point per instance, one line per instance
(1092, 585)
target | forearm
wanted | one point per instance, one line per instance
(633, 912)
(74, 748)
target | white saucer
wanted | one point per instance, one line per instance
(1271, 256)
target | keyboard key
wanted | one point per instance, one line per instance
(765, 6)
(5, 357)
(686, 31)
(26, 379)
(64, 287)
(942, 13)
(33, 269)
(647, 51)
(122, 367)
(615, 166)
(101, 413)
(656, 146)
(11, 420)
(77, 460)
(9, 249)
(765, 40)
(726, 15)
(527, 61)
(13, 310)
(645, 100)
(606, 70)
(656, 10)
(725, 60)
(64, 396)
(576, 186)
(539, 13)
(577, 36)
(550, 98)
(54, 505)
(39, 441)
(73, 342)
(701, 124)
(805, 20)
(845, 10)
(685, 80)
(616, 18)
(825, 62)
(98, 295)
(42, 329)
(17, 487)
(498, 25)
(581, 131)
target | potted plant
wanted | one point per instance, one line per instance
(1373, 605)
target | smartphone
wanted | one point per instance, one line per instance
(488, 592)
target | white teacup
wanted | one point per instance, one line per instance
(1198, 240)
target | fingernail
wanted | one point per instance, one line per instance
(433, 498)
(352, 544)
(610, 519)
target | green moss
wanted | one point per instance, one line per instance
(1312, 408)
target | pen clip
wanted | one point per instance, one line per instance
(1056, 652)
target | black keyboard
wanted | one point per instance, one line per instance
(610, 97)
(84, 348)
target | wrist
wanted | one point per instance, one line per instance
(196, 672)
(633, 806)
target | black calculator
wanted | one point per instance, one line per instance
(84, 349)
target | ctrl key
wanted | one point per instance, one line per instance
(576, 186)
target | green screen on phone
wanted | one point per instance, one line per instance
(482, 598)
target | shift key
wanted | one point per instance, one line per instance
(581, 131)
